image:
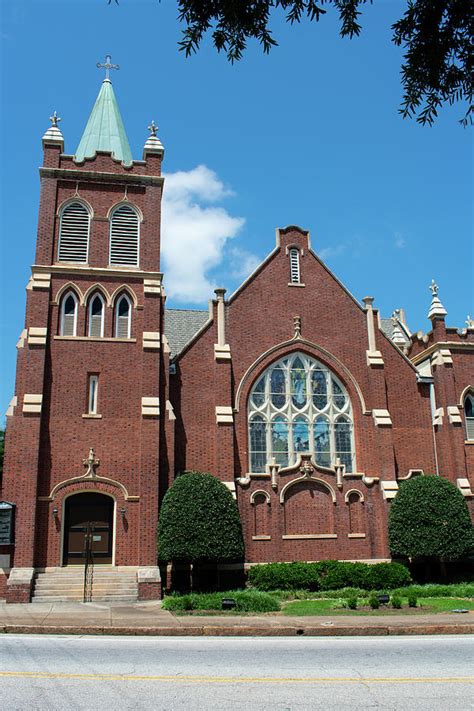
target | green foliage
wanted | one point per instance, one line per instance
(429, 517)
(2, 450)
(352, 603)
(246, 601)
(396, 601)
(328, 575)
(199, 521)
(412, 600)
(374, 601)
(434, 590)
(435, 35)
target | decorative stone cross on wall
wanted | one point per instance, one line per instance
(91, 463)
(107, 66)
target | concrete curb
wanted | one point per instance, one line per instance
(241, 631)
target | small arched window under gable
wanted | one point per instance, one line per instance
(123, 317)
(295, 277)
(74, 228)
(96, 316)
(469, 415)
(124, 236)
(68, 318)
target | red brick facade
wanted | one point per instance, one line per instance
(303, 511)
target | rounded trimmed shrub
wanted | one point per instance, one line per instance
(429, 518)
(284, 576)
(374, 601)
(396, 601)
(199, 521)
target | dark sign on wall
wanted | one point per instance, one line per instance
(6, 523)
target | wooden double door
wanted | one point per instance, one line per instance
(88, 528)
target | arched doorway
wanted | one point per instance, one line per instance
(88, 520)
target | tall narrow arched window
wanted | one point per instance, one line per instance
(96, 316)
(295, 265)
(469, 415)
(299, 406)
(124, 236)
(123, 317)
(74, 228)
(68, 317)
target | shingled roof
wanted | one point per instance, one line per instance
(181, 325)
(386, 325)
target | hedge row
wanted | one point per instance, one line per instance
(246, 601)
(328, 575)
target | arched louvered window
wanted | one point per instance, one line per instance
(124, 236)
(74, 230)
(68, 321)
(96, 316)
(299, 406)
(294, 266)
(123, 317)
(469, 415)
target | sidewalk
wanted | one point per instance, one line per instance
(147, 618)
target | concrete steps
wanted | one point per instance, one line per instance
(67, 585)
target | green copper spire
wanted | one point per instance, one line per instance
(105, 130)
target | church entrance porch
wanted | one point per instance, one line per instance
(88, 528)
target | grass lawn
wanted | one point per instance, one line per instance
(334, 607)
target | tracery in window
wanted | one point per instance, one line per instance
(469, 415)
(123, 317)
(96, 316)
(296, 406)
(68, 320)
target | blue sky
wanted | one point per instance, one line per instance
(309, 135)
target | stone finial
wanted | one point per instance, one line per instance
(397, 334)
(153, 145)
(469, 321)
(437, 310)
(297, 326)
(53, 135)
(91, 463)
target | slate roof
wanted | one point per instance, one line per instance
(387, 326)
(181, 325)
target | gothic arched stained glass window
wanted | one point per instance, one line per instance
(298, 406)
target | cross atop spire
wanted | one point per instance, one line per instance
(153, 128)
(434, 288)
(107, 66)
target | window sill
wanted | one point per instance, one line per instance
(261, 538)
(303, 536)
(92, 417)
(469, 441)
(296, 283)
(356, 535)
(95, 339)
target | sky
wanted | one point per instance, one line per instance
(308, 135)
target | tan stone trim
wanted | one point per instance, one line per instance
(382, 418)
(468, 389)
(40, 280)
(88, 480)
(86, 270)
(151, 340)
(411, 473)
(91, 417)
(124, 289)
(152, 286)
(224, 414)
(438, 417)
(32, 403)
(356, 535)
(296, 283)
(257, 493)
(299, 479)
(469, 441)
(76, 198)
(11, 407)
(150, 406)
(464, 487)
(450, 345)
(97, 287)
(22, 339)
(374, 358)
(37, 335)
(259, 475)
(222, 352)
(303, 342)
(304, 536)
(389, 489)
(96, 339)
(261, 538)
(454, 416)
(101, 177)
(170, 411)
(127, 202)
(354, 491)
(69, 286)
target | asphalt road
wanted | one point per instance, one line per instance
(277, 673)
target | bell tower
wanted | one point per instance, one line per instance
(92, 360)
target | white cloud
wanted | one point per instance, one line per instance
(195, 236)
(399, 240)
(242, 263)
(328, 252)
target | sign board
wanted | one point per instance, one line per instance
(6, 523)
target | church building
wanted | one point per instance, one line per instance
(300, 398)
